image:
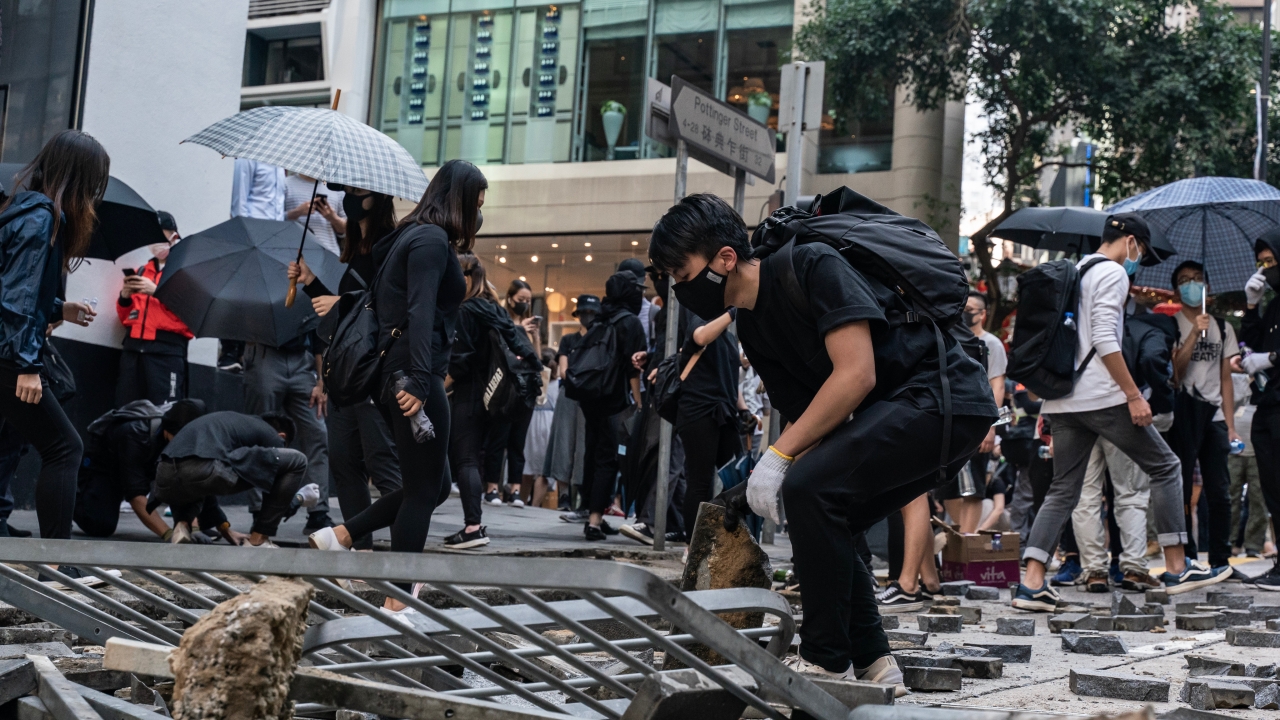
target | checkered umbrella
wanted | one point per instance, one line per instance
(318, 143)
(1212, 220)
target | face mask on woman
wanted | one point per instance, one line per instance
(353, 206)
(520, 308)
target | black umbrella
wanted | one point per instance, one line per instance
(125, 221)
(1074, 230)
(225, 282)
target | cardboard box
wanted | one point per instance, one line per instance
(977, 546)
(990, 573)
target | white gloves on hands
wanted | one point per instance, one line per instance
(308, 495)
(1256, 363)
(1254, 288)
(765, 483)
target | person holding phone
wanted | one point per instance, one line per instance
(328, 218)
(153, 364)
(507, 434)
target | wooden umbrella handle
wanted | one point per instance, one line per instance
(292, 295)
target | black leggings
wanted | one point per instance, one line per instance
(1265, 438)
(407, 511)
(507, 435)
(361, 449)
(707, 446)
(466, 449)
(600, 464)
(46, 427)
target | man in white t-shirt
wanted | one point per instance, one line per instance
(1105, 402)
(1204, 408)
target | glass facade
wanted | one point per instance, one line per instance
(512, 81)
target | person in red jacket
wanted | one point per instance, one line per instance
(153, 365)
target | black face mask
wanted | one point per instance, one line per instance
(703, 294)
(520, 308)
(479, 220)
(353, 206)
(970, 319)
(1272, 274)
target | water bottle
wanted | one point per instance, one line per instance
(421, 425)
(997, 542)
(1258, 378)
(968, 488)
(1237, 446)
(1069, 320)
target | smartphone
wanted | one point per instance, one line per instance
(322, 198)
(537, 319)
(129, 272)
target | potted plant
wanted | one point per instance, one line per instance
(612, 113)
(759, 104)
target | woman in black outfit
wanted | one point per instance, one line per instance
(360, 442)
(417, 300)
(468, 378)
(44, 232)
(507, 434)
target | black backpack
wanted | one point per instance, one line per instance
(593, 365)
(903, 253)
(506, 389)
(1042, 354)
(96, 442)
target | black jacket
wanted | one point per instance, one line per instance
(1260, 330)
(1148, 350)
(418, 294)
(245, 442)
(469, 359)
(125, 444)
(30, 280)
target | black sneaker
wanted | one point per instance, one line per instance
(463, 540)
(7, 530)
(492, 498)
(927, 594)
(1269, 580)
(607, 529)
(575, 516)
(894, 599)
(593, 533)
(317, 521)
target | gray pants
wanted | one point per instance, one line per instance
(1131, 495)
(281, 381)
(189, 484)
(1074, 435)
(1244, 471)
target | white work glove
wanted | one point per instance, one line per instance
(1254, 288)
(308, 495)
(765, 482)
(1256, 363)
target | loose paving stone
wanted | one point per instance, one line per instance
(956, 587)
(1010, 653)
(1157, 595)
(989, 668)
(1273, 624)
(1196, 621)
(971, 615)
(925, 659)
(1234, 618)
(1122, 605)
(966, 650)
(1118, 686)
(1265, 612)
(1091, 643)
(889, 622)
(945, 601)
(1229, 600)
(1253, 637)
(1211, 608)
(1065, 621)
(944, 609)
(940, 623)
(1020, 626)
(1153, 609)
(912, 636)
(1267, 698)
(930, 679)
(1136, 623)
(1098, 623)
(49, 649)
(1183, 713)
(981, 592)
(1187, 608)
(1211, 694)
(1201, 665)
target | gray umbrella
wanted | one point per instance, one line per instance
(227, 281)
(1074, 230)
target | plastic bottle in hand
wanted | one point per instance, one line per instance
(1259, 378)
(423, 430)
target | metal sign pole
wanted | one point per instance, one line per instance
(740, 192)
(795, 134)
(672, 307)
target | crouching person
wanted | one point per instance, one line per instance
(228, 452)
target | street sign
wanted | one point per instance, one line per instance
(721, 130)
(657, 126)
(814, 85)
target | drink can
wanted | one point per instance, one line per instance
(997, 542)
(782, 576)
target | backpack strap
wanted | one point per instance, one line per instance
(787, 275)
(1092, 351)
(946, 404)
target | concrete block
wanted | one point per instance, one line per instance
(956, 588)
(940, 623)
(889, 622)
(1229, 600)
(1020, 626)
(980, 592)
(1273, 624)
(1234, 618)
(989, 668)
(945, 601)
(1211, 694)
(1065, 621)
(1158, 595)
(1009, 653)
(1118, 686)
(971, 615)
(1253, 637)
(925, 659)
(931, 679)
(1152, 609)
(1267, 698)
(1206, 608)
(852, 693)
(961, 649)
(937, 609)
(1122, 605)
(26, 636)
(1202, 665)
(1265, 612)
(17, 678)
(1097, 623)
(684, 694)
(1186, 608)
(912, 636)
(1196, 621)
(1136, 623)
(1186, 713)
(1091, 643)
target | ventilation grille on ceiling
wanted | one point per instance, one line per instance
(269, 8)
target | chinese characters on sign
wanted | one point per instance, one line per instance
(721, 130)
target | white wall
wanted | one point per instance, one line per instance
(351, 25)
(160, 71)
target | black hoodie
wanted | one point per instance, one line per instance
(620, 307)
(1260, 330)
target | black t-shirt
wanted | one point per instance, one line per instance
(997, 485)
(785, 343)
(712, 386)
(568, 342)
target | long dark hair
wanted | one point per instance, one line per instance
(474, 269)
(71, 170)
(516, 286)
(452, 201)
(382, 221)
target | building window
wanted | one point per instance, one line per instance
(756, 35)
(850, 146)
(284, 54)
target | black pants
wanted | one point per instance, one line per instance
(12, 448)
(600, 467)
(98, 505)
(151, 376)
(407, 511)
(1265, 438)
(46, 427)
(467, 449)
(860, 473)
(189, 485)
(506, 436)
(707, 446)
(361, 449)
(1195, 436)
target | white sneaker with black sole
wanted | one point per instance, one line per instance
(639, 532)
(894, 599)
(463, 540)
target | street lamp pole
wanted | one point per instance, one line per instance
(1264, 92)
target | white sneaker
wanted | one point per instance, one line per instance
(265, 544)
(884, 671)
(325, 539)
(181, 534)
(517, 502)
(800, 665)
(401, 616)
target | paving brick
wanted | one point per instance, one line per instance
(1234, 618)
(1211, 694)
(49, 649)
(1253, 637)
(1065, 621)
(925, 659)
(1122, 605)
(1008, 652)
(1202, 665)
(1265, 612)
(1230, 600)
(931, 679)
(687, 693)
(889, 622)
(1153, 609)
(1158, 595)
(1196, 621)
(1118, 686)
(989, 668)
(945, 601)
(972, 615)
(1098, 623)
(912, 636)
(980, 592)
(1020, 626)
(1091, 643)
(1136, 623)
(961, 649)
(1267, 698)
(1273, 624)
(1186, 608)
(956, 587)
(1207, 608)
(940, 623)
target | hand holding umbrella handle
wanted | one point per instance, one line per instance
(293, 284)
(292, 294)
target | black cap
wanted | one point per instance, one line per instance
(633, 266)
(588, 303)
(166, 221)
(1131, 224)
